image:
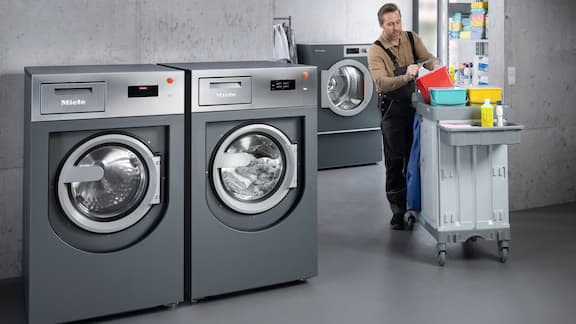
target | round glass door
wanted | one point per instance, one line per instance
(260, 175)
(348, 88)
(108, 183)
(254, 168)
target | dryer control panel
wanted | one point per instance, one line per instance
(221, 86)
(356, 50)
(103, 91)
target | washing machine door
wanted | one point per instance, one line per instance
(347, 88)
(109, 183)
(254, 168)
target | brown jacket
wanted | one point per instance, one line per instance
(382, 68)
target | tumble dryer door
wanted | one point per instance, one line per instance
(109, 183)
(346, 88)
(254, 168)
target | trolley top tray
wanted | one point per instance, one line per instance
(448, 112)
(461, 133)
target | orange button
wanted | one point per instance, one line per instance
(305, 75)
(170, 80)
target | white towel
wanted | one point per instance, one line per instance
(281, 50)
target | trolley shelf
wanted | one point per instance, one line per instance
(463, 133)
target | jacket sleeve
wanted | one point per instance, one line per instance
(382, 70)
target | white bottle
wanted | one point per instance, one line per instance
(499, 114)
(467, 75)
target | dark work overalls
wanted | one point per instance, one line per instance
(396, 125)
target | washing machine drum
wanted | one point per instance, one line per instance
(254, 168)
(345, 87)
(109, 183)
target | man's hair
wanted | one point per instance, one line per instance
(386, 8)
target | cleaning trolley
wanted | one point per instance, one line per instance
(463, 174)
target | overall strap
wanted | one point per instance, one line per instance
(411, 38)
(390, 54)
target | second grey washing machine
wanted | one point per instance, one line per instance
(252, 188)
(348, 115)
(103, 202)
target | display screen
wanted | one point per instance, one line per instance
(276, 85)
(353, 50)
(143, 91)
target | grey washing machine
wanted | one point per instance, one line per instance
(253, 187)
(103, 190)
(348, 115)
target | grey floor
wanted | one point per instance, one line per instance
(370, 274)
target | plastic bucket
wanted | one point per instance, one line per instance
(447, 96)
(476, 95)
(439, 78)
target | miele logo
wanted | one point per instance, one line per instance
(72, 102)
(226, 94)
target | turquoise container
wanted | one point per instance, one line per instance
(451, 97)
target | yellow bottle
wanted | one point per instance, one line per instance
(487, 114)
(451, 71)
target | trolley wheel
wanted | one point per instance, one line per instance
(503, 252)
(441, 258)
(171, 305)
(410, 220)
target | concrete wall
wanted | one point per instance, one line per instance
(541, 45)
(62, 32)
(337, 21)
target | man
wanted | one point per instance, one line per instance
(392, 61)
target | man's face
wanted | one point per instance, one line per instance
(392, 25)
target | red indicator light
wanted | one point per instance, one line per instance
(169, 80)
(142, 88)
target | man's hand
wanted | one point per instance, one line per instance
(411, 72)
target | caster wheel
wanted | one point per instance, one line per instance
(441, 258)
(171, 305)
(410, 220)
(503, 254)
(410, 223)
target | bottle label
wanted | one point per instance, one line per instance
(487, 116)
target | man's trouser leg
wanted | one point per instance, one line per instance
(396, 128)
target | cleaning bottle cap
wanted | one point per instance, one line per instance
(486, 101)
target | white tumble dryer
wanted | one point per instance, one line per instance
(103, 190)
(252, 187)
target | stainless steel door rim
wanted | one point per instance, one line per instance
(119, 170)
(347, 88)
(278, 182)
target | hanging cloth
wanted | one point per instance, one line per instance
(413, 194)
(281, 51)
(291, 43)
